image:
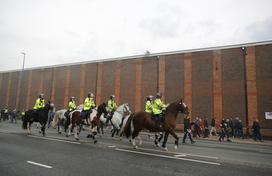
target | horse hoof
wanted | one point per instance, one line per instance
(164, 149)
(59, 132)
(175, 147)
(135, 147)
(95, 141)
(157, 145)
(66, 135)
(40, 132)
(77, 139)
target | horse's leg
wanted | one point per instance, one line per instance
(102, 126)
(76, 132)
(113, 132)
(156, 140)
(43, 128)
(176, 137)
(161, 136)
(135, 133)
(28, 128)
(68, 132)
(140, 140)
(165, 140)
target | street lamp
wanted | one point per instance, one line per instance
(20, 82)
(23, 53)
(244, 52)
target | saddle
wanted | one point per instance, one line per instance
(158, 117)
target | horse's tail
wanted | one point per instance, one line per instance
(24, 125)
(55, 120)
(129, 126)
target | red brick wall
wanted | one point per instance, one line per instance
(264, 83)
(202, 84)
(233, 90)
(128, 83)
(149, 78)
(212, 83)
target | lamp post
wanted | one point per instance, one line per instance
(20, 79)
(23, 53)
(244, 51)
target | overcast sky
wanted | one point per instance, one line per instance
(63, 31)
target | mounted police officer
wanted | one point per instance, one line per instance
(88, 106)
(71, 107)
(157, 109)
(149, 104)
(39, 104)
(111, 107)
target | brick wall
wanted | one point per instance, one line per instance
(212, 83)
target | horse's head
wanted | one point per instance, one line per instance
(49, 105)
(124, 108)
(102, 109)
(183, 108)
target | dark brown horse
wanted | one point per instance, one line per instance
(142, 120)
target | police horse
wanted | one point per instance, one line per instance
(117, 120)
(60, 120)
(142, 120)
(76, 121)
(40, 116)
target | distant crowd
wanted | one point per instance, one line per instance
(225, 129)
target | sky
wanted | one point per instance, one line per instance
(54, 32)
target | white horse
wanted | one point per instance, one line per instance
(59, 119)
(118, 119)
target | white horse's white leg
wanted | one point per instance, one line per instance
(140, 140)
(134, 143)
(28, 129)
(76, 132)
(68, 132)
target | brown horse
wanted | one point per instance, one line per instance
(76, 121)
(142, 120)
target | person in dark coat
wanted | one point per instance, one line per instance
(224, 130)
(206, 128)
(187, 130)
(240, 129)
(256, 130)
(231, 127)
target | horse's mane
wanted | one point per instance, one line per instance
(172, 105)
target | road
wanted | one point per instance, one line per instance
(55, 154)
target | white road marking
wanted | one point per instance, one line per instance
(171, 157)
(179, 155)
(39, 164)
(112, 146)
(187, 154)
(52, 139)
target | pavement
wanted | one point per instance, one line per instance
(54, 154)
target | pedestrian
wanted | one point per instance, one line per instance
(224, 130)
(235, 126)
(196, 128)
(201, 127)
(213, 128)
(206, 128)
(256, 131)
(240, 129)
(231, 127)
(13, 115)
(187, 130)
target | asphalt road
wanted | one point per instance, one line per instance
(55, 154)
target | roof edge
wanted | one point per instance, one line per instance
(150, 55)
